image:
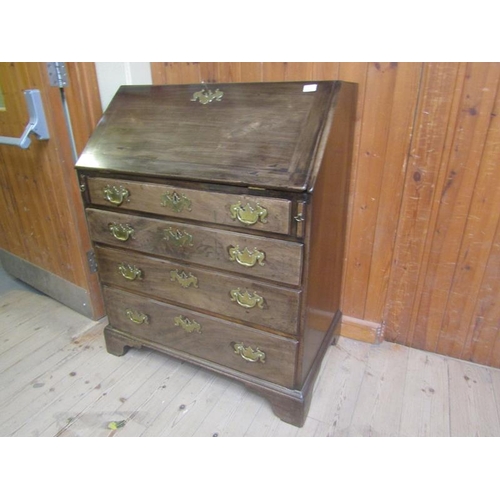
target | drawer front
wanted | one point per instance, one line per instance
(244, 349)
(256, 256)
(263, 305)
(256, 212)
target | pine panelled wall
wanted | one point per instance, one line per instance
(423, 251)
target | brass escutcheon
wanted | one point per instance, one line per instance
(177, 237)
(249, 354)
(130, 272)
(121, 232)
(246, 299)
(248, 215)
(247, 258)
(185, 280)
(207, 96)
(175, 202)
(187, 324)
(116, 195)
(137, 317)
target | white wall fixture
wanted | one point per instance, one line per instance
(111, 75)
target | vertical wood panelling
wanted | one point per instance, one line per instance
(483, 346)
(209, 72)
(452, 206)
(390, 196)
(229, 72)
(353, 72)
(251, 71)
(325, 71)
(298, 71)
(423, 244)
(172, 73)
(379, 94)
(437, 93)
(273, 71)
(83, 100)
(481, 221)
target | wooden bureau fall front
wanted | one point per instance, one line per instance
(217, 214)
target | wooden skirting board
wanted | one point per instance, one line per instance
(359, 329)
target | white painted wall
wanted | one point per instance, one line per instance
(110, 75)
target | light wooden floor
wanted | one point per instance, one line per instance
(56, 379)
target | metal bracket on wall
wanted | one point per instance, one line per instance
(37, 122)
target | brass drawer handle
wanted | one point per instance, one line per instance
(249, 354)
(137, 317)
(248, 215)
(185, 280)
(187, 324)
(175, 202)
(130, 272)
(116, 195)
(121, 232)
(247, 258)
(246, 299)
(178, 238)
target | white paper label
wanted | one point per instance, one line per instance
(310, 87)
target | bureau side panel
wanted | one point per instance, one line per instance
(325, 234)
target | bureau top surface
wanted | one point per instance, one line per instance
(253, 134)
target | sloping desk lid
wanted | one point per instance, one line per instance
(254, 134)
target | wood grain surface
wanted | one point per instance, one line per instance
(282, 261)
(207, 290)
(265, 138)
(214, 342)
(195, 204)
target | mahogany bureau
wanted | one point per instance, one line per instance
(217, 214)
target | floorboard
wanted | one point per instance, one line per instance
(426, 402)
(380, 400)
(473, 409)
(57, 379)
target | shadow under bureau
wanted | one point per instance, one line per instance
(217, 214)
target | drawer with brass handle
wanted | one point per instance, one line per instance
(256, 212)
(241, 348)
(274, 308)
(255, 256)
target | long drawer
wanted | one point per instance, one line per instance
(257, 212)
(233, 296)
(256, 256)
(245, 349)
